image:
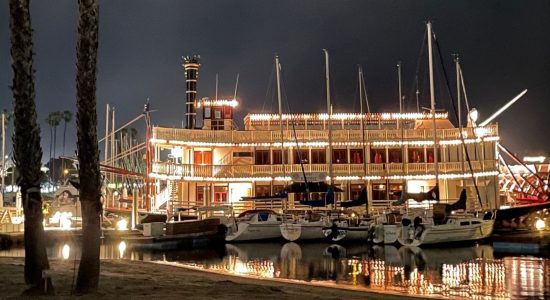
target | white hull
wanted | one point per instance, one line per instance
(385, 234)
(303, 231)
(447, 233)
(347, 233)
(245, 231)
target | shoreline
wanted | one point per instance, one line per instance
(142, 280)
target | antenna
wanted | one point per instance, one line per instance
(236, 87)
(216, 87)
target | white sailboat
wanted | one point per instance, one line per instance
(254, 225)
(309, 225)
(262, 224)
(443, 224)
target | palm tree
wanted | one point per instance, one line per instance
(50, 121)
(88, 152)
(53, 119)
(67, 117)
(57, 118)
(28, 152)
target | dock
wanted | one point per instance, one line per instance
(522, 242)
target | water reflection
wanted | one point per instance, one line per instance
(471, 272)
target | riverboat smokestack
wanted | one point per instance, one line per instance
(191, 65)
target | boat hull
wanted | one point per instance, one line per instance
(446, 233)
(347, 233)
(303, 231)
(254, 232)
(385, 234)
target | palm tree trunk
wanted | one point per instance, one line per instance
(63, 159)
(54, 170)
(88, 152)
(27, 149)
(51, 144)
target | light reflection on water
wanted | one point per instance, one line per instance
(471, 272)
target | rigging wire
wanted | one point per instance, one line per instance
(456, 115)
(298, 150)
(416, 89)
(268, 90)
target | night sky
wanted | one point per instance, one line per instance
(504, 48)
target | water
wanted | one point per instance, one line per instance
(474, 272)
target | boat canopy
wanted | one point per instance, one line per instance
(329, 199)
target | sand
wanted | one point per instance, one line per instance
(124, 279)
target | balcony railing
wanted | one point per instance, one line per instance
(387, 169)
(263, 136)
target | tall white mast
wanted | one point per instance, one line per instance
(216, 99)
(278, 72)
(400, 93)
(432, 101)
(329, 111)
(362, 120)
(106, 153)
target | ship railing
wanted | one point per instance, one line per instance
(354, 170)
(179, 135)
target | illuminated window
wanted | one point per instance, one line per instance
(262, 157)
(395, 188)
(379, 192)
(277, 159)
(339, 156)
(378, 156)
(430, 155)
(318, 156)
(207, 113)
(227, 112)
(217, 113)
(202, 157)
(262, 190)
(200, 195)
(355, 190)
(278, 189)
(416, 155)
(356, 156)
(220, 194)
(395, 155)
(217, 125)
(301, 156)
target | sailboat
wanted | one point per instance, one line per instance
(345, 228)
(309, 226)
(446, 222)
(255, 225)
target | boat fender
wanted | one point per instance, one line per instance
(333, 231)
(370, 233)
(418, 228)
(379, 231)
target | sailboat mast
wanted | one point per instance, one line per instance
(216, 99)
(458, 93)
(459, 104)
(329, 111)
(400, 93)
(362, 119)
(280, 102)
(432, 101)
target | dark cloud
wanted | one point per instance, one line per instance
(503, 44)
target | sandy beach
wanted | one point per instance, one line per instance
(141, 280)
